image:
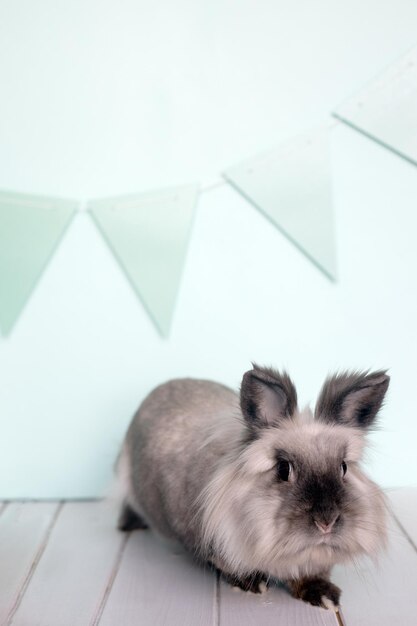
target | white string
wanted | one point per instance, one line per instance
(218, 182)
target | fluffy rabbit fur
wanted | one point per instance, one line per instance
(253, 485)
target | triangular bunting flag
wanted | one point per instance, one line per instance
(292, 187)
(149, 234)
(30, 229)
(386, 109)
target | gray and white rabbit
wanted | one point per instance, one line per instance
(254, 486)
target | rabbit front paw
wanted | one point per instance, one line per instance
(316, 591)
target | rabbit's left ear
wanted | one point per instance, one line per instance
(352, 398)
(267, 397)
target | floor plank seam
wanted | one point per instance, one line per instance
(3, 506)
(216, 601)
(95, 621)
(339, 618)
(403, 530)
(34, 564)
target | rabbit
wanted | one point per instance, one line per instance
(254, 486)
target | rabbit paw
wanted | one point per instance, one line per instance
(316, 591)
(129, 520)
(254, 583)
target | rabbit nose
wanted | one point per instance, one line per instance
(326, 528)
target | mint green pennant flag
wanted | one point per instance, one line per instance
(292, 187)
(30, 230)
(385, 110)
(149, 235)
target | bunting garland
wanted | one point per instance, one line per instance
(292, 187)
(149, 233)
(30, 229)
(386, 109)
(149, 236)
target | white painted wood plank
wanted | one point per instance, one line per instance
(383, 594)
(73, 573)
(158, 585)
(404, 507)
(23, 533)
(275, 607)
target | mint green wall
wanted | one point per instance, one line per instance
(114, 97)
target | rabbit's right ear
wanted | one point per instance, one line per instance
(267, 397)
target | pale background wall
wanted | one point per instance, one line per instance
(102, 98)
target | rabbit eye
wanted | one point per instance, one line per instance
(343, 468)
(284, 470)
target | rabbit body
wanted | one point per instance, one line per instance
(253, 485)
(171, 452)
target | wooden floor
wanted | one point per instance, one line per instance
(64, 564)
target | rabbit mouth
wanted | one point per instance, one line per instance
(330, 540)
(327, 539)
